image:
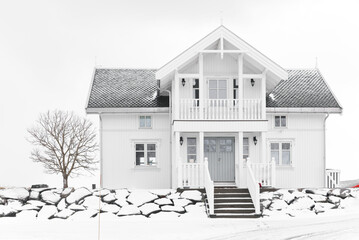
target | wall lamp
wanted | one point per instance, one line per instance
(255, 140)
(181, 141)
(252, 82)
(183, 82)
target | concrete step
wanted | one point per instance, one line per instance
(233, 205)
(232, 195)
(234, 210)
(232, 200)
(230, 190)
(229, 215)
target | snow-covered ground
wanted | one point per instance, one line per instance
(334, 225)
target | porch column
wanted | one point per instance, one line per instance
(176, 96)
(263, 94)
(264, 148)
(239, 162)
(201, 157)
(201, 85)
(240, 84)
(178, 159)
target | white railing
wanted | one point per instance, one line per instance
(209, 186)
(332, 178)
(253, 187)
(220, 109)
(189, 175)
(264, 173)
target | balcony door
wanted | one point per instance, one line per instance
(217, 89)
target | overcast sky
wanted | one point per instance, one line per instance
(48, 51)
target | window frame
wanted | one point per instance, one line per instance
(188, 154)
(248, 149)
(280, 152)
(146, 142)
(280, 121)
(217, 87)
(145, 116)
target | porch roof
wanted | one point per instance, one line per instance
(137, 88)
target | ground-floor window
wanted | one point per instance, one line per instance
(245, 148)
(281, 151)
(146, 154)
(191, 149)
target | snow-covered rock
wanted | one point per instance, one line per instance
(340, 192)
(295, 212)
(298, 194)
(302, 204)
(27, 214)
(109, 198)
(319, 191)
(149, 208)
(34, 195)
(195, 211)
(121, 193)
(112, 208)
(349, 203)
(2, 201)
(140, 197)
(278, 204)
(14, 193)
(62, 204)
(15, 204)
(121, 202)
(64, 214)
(92, 202)
(83, 215)
(317, 197)
(354, 192)
(181, 202)
(324, 206)
(266, 203)
(101, 192)
(288, 197)
(164, 201)
(169, 208)
(266, 195)
(174, 195)
(334, 199)
(161, 192)
(36, 203)
(78, 195)
(129, 210)
(193, 195)
(6, 211)
(66, 192)
(47, 212)
(50, 197)
(29, 207)
(76, 207)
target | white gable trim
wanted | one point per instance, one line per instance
(221, 31)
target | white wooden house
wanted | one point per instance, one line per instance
(219, 113)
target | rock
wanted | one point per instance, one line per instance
(321, 191)
(325, 206)
(140, 197)
(47, 212)
(37, 186)
(195, 211)
(29, 207)
(2, 201)
(101, 192)
(174, 196)
(66, 192)
(36, 203)
(334, 199)
(50, 197)
(15, 204)
(193, 195)
(266, 195)
(149, 208)
(15, 193)
(165, 215)
(109, 198)
(297, 194)
(92, 202)
(61, 205)
(7, 211)
(84, 215)
(278, 204)
(340, 192)
(181, 202)
(288, 197)
(27, 214)
(164, 201)
(112, 208)
(121, 193)
(78, 195)
(121, 202)
(64, 214)
(354, 192)
(349, 203)
(161, 192)
(168, 208)
(34, 195)
(266, 203)
(76, 207)
(129, 210)
(302, 204)
(317, 198)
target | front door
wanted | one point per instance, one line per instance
(220, 154)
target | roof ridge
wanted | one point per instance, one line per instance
(124, 68)
(289, 69)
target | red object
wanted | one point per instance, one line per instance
(357, 186)
(260, 185)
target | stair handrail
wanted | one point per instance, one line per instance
(209, 186)
(253, 187)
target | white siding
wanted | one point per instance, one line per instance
(118, 152)
(306, 132)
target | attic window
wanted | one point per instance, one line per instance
(145, 121)
(280, 121)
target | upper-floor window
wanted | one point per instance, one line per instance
(145, 121)
(235, 89)
(217, 89)
(280, 121)
(281, 152)
(196, 90)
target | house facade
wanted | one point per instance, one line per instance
(219, 113)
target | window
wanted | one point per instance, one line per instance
(217, 89)
(210, 145)
(280, 121)
(235, 89)
(145, 122)
(245, 148)
(146, 154)
(281, 152)
(191, 150)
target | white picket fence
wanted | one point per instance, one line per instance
(332, 178)
(264, 173)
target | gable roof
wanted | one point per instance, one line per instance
(137, 88)
(305, 88)
(125, 88)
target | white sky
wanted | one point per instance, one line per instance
(48, 50)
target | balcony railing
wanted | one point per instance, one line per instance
(220, 109)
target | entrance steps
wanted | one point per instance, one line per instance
(232, 202)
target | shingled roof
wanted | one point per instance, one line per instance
(305, 88)
(137, 88)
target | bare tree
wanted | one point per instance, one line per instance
(64, 143)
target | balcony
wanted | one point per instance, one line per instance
(221, 109)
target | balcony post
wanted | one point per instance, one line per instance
(240, 84)
(176, 96)
(201, 157)
(263, 95)
(201, 85)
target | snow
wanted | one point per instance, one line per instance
(109, 198)
(92, 202)
(140, 197)
(149, 208)
(161, 192)
(76, 207)
(101, 193)
(36, 203)
(27, 214)
(317, 198)
(77, 195)
(121, 193)
(163, 201)
(129, 210)
(334, 199)
(112, 208)
(50, 197)
(121, 202)
(278, 204)
(14, 193)
(47, 211)
(181, 202)
(29, 207)
(192, 195)
(7, 211)
(64, 214)
(34, 195)
(165, 215)
(302, 204)
(61, 205)
(83, 215)
(168, 208)
(66, 192)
